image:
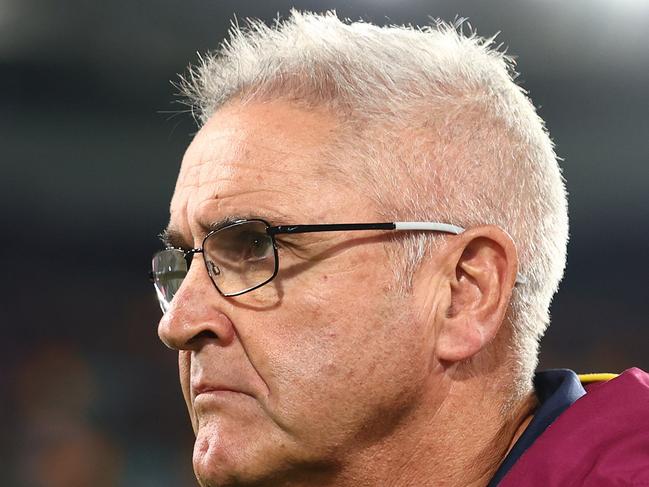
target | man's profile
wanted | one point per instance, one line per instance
(376, 224)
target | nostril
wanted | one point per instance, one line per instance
(203, 335)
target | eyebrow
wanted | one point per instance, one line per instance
(172, 237)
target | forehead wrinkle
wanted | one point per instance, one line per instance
(233, 170)
(242, 138)
(192, 172)
(233, 165)
(248, 159)
(226, 186)
(235, 174)
(225, 195)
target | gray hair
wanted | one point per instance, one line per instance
(479, 153)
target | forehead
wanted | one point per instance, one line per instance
(263, 158)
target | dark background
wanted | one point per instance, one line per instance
(89, 150)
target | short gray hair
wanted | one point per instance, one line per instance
(479, 154)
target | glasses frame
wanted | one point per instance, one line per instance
(272, 231)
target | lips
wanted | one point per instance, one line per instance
(209, 379)
(204, 388)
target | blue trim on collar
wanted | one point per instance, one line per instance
(556, 390)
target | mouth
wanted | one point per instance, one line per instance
(213, 390)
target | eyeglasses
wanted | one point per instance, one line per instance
(242, 255)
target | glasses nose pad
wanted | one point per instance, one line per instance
(213, 269)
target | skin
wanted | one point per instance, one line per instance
(334, 378)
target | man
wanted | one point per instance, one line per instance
(322, 339)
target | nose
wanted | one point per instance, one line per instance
(196, 315)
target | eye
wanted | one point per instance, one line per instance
(255, 246)
(243, 243)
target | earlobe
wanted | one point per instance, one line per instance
(485, 265)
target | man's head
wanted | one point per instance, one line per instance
(361, 337)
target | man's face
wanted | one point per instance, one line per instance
(320, 362)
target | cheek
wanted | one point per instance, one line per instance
(344, 353)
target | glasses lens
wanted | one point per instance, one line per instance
(240, 257)
(169, 269)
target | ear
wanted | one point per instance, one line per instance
(482, 269)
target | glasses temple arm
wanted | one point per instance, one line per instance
(399, 226)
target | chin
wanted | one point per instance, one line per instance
(220, 459)
(236, 456)
(259, 460)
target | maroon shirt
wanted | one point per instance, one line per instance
(601, 439)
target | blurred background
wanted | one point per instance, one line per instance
(89, 150)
